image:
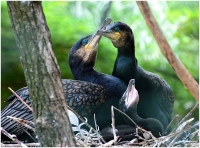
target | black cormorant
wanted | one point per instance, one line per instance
(81, 60)
(156, 96)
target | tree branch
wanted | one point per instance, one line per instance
(176, 64)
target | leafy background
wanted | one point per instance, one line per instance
(69, 21)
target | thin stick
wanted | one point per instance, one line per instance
(113, 123)
(173, 134)
(88, 135)
(29, 134)
(193, 134)
(95, 123)
(18, 145)
(166, 49)
(185, 124)
(191, 111)
(140, 128)
(18, 97)
(21, 121)
(126, 116)
(110, 142)
(13, 138)
(85, 122)
(177, 117)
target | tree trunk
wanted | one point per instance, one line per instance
(42, 74)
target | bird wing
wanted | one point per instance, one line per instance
(85, 98)
(82, 96)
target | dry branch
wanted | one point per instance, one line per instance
(13, 137)
(23, 122)
(176, 64)
(18, 97)
(191, 111)
(18, 145)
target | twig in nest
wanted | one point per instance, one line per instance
(85, 122)
(18, 97)
(113, 123)
(181, 127)
(22, 121)
(29, 134)
(13, 138)
(87, 138)
(140, 128)
(147, 141)
(165, 139)
(193, 134)
(191, 111)
(18, 145)
(189, 142)
(111, 142)
(95, 123)
(126, 116)
(177, 118)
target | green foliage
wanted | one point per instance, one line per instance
(69, 21)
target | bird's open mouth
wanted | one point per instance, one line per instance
(131, 94)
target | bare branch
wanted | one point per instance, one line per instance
(18, 145)
(22, 121)
(166, 49)
(13, 138)
(18, 97)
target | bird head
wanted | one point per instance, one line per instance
(84, 51)
(130, 97)
(119, 33)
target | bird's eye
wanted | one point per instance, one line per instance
(116, 29)
(85, 41)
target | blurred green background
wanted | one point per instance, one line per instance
(69, 21)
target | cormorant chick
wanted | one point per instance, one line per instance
(156, 96)
(128, 104)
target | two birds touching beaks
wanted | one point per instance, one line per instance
(146, 98)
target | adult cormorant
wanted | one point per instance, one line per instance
(94, 94)
(128, 104)
(156, 96)
(81, 61)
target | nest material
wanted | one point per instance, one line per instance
(184, 134)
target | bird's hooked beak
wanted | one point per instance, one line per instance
(131, 94)
(94, 41)
(113, 36)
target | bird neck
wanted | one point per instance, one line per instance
(82, 67)
(125, 66)
(83, 71)
(149, 124)
(128, 48)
